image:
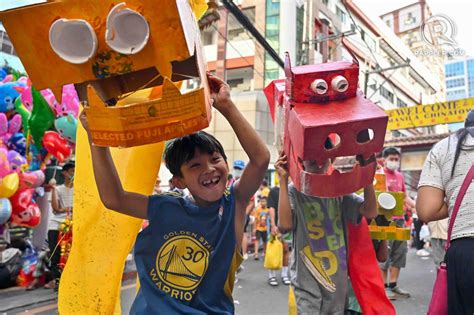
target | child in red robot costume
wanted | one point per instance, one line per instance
(320, 115)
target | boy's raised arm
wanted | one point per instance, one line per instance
(285, 216)
(109, 185)
(257, 151)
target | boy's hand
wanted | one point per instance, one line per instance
(281, 166)
(220, 91)
(84, 122)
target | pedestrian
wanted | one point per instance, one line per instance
(62, 200)
(286, 238)
(260, 226)
(319, 272)
(397, 255)
(439, 234)
(186, 258)
(443, 174)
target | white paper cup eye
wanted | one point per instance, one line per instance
(387, 201)
(73, 40)
(127, 31)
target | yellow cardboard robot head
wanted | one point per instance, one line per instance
(118, 48)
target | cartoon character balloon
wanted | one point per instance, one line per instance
(67, 127)
(17, 142)
(29, 217)
(8, 128)
(56, 145)
(5, 210)
(8, 95)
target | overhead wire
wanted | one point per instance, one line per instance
(238, 52)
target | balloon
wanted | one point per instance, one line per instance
(17, 142)
(5, 210)
(16, 160)
(56, 146)
(67, 127)
(8, 128)
(69, 102)
(4, 164)
(8, 94)
(50, 98)
(29, 217)
(31, 179)
(41, 119)
(24, 113)
(21, 199)
(9, 185)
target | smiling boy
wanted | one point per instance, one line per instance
(186, 258)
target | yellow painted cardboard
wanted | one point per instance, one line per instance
(173, 52)
(91, 282)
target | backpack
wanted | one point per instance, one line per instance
(10, 266)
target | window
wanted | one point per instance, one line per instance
(325, 2)
(389, 23)
(235, 30)
(240, 79)
(341, 14)
(401, 103)
(454, 69)
(208, 37)
(455, 83)
(386, 94)
(410, 19)
(272, 34)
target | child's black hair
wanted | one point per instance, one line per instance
(181, 150)
(68, 166)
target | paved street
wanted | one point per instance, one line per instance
(254, 296)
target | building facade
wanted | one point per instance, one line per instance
(407, 23)
(459, 78)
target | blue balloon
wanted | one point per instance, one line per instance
(5, 210)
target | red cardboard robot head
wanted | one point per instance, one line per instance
(320, 117)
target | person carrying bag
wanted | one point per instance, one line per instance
(439, 297)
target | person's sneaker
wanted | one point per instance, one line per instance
(401, 293)
(285, 280)
(390, 294)
(246, 256)
(422, 252)
(272, 281)
(255, 257)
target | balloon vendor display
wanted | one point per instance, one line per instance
(34, 127)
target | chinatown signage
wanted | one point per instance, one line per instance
(428, 115)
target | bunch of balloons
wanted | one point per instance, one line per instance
(34, 127)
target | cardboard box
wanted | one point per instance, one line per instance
(117, 59)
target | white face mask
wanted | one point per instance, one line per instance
(393, 165)
(236, 173)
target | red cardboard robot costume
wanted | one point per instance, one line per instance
(317, 102)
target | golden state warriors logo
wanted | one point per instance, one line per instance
(182, 262)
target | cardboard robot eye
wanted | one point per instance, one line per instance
(127, 31)
(340, 84)
(386, 201)
(73, 40)
(319, 86)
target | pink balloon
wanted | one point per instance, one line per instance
(4, 164)
(30, 180)
(69, 102)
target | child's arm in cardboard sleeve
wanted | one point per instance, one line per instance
(285, 216)
(256, 150)
(111, 192)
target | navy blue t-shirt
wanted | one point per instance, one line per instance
(185, 256)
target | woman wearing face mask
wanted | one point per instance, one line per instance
(61, 203)
(441, 181)
(397, 255)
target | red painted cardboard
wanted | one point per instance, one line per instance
(310, 118)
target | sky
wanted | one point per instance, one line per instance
(8, 4)
(461, 12)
